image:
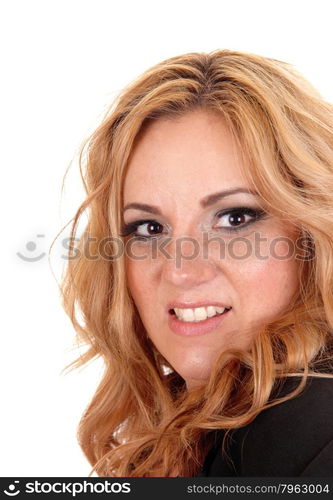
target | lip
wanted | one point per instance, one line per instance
(189, 329)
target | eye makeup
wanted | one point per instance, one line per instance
(236, 214)
(132, 227)
(255, 214)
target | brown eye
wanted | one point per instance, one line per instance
(152, 228)
(142, 229)
(238, 218)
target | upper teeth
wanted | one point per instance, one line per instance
(199, 313)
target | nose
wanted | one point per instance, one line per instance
(186, 266)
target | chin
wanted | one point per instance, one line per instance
(194, 376)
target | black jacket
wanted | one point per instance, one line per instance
(291, 439)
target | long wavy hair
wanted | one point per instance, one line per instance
(142, 421)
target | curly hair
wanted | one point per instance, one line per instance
(142, 420)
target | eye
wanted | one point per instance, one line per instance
(142, 229)
(231, 220)
(239, 218)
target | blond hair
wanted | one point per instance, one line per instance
(141, 420)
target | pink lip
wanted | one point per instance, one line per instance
(198, 328)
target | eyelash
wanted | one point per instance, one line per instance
(256, 214)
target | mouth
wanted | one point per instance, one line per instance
(198, 314)
(197, 321)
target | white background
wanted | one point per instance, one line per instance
(62, 63)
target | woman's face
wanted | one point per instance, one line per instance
(188, 258)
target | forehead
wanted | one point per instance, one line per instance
(195, 152)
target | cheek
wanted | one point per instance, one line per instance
(140, 283)
(267, 282)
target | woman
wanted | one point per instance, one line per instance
(207, 287)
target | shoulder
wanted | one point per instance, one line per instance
(315, 402)
(292, 438)
(286, 438)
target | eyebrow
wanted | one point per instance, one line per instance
(205, 202)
